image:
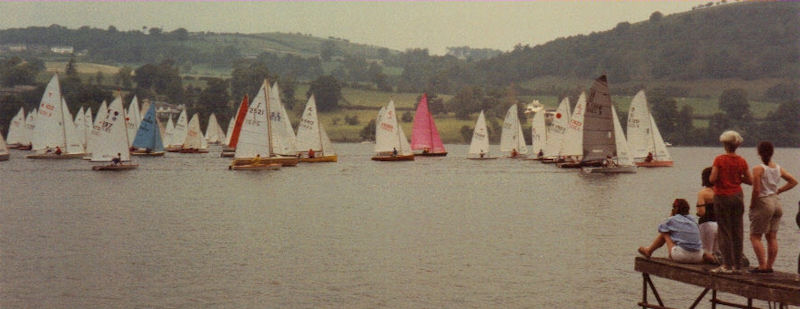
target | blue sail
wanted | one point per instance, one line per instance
(149, 136)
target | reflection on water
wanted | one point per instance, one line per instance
(183, 231)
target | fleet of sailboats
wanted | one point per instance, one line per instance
(424, 135)
(260, 135)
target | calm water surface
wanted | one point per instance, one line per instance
(184, 232)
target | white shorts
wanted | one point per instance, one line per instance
(681, 255)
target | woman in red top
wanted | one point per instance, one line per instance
(728, 172)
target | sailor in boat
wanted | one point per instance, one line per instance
(649, 157)
(394, 151)
(58, 150)
(482, 153)
(310, 153)
(514, 153)
(426, 150)
(609, 162)
(257, 159)
(540, 154)
(116, 160)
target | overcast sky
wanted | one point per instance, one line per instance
(397, 25)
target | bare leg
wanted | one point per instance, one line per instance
(657, 243)
(772, 248)
(670, 244)
(758, 248)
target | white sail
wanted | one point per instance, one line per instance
(74, 144)
(134, 118)
(169, 133)
(308, 131)
(101, 115)
(16, 129)
(80, 126)
(87, 127)
(558, 129)
(181, 128)
(480, 138)
(661, 153)
(405, 147)
(624, 157)
(30, 125)
(511, 137)
(49, 129)
(283, 138)
(572, 145)
(640, 135)
(327, 146)
(194, 137)
(213, 130)
(386, 130)
(254, 133)
(228, 133)
(538, 132)
(111, 135)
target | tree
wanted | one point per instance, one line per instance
(123, 77)
(368, 132)
(326, 50)
(98, 77)
(734, 103)
(247, 77)
(72, 69)
(327, 91)
(466, 133)
(656, 17)
(466, 102)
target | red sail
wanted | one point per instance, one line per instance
(424, 134)
(239, 120)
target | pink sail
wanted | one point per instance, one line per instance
(424, 134)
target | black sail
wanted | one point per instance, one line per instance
(598, 126)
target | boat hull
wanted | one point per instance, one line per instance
(255, 167)
(148, 154)
(227, 154)
(4, 156)
(655, 164)
(569, 165)
(484, 158)
(431, 154)
(24, 147)
(173, 149)
(320, 159)
(112, 167)
(193, 150)
(394, 158)
(283, 161)
(610, 170)
(52, 156)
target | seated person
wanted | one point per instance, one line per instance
(609, 162)
(58, 150)
(681, 235)
(649, 157)
(514, 153)
(310, 153)
(116, 160)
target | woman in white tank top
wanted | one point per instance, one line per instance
(765, 208)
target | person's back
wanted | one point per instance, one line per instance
(731, 167)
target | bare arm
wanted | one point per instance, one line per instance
(701, 207)
(747, 178)
(758, 171)
(790, 181)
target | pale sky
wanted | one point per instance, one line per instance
(396, 25)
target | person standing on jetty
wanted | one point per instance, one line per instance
(765, 207)
(681, 235)
(707, 221)
(728, 172)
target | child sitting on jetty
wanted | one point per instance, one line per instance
(681, 235)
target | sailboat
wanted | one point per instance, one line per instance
(624, 162)
(600, 142)
(479, 145)
(3, 149)
(283, 138)
(90, 142)
(54, 132)
(178, 133)
(538, 135)
(80, 126)
(133, 119)
(424, 135)
(112, 139)
(16, 131)
(511, 140)
(572, 145)
(234, 128)
(87, 128)
(30, 124)
(214, 133)
(194, 142)
(391, 143)
(169, 133)
(256, 145)
(558, 129)
(647, 145)
(311, 135)
(148, 137)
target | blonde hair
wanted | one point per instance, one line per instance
(731, 140)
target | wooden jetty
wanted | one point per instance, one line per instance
(780, 288)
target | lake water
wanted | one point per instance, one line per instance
(184, 232)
